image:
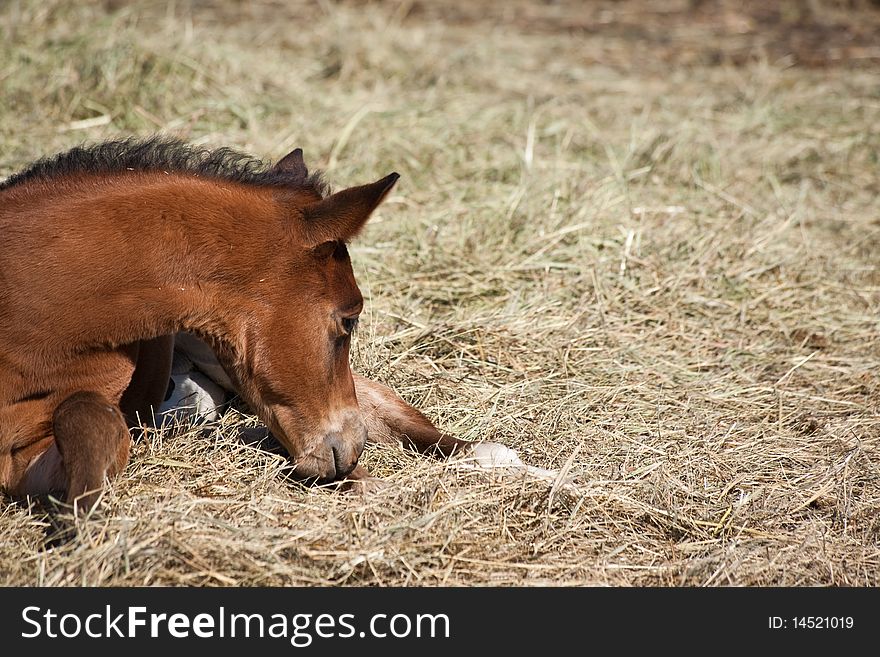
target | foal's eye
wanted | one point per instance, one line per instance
(349, 324)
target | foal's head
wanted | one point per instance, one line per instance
(293, 363)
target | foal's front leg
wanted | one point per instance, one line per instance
(389, 419)
(92, 437)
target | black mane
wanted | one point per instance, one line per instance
(163, 154)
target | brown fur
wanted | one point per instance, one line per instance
(97, 269)
(389, 419)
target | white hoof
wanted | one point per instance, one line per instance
(193, 395)
(494, 456)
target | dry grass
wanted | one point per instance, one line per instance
(631, 239)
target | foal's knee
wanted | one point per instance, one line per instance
(92, 437)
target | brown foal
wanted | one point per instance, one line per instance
(107, 251)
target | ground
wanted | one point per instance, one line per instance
(633, 240)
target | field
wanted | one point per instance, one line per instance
(633, 240)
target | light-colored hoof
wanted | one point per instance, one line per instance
(193, 395)
(498, 457)
(494, 455)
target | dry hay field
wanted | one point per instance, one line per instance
(636, 241)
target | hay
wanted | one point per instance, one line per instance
(648, 260)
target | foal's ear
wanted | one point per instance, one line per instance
(293, 164)
(341, 216)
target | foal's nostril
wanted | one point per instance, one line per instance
(342, 460)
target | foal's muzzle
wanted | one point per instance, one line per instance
(338, 451)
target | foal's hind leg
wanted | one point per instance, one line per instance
(92, 438)
(389, 419)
